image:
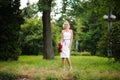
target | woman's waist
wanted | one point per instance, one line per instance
(66, 39)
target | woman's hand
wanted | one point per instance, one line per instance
(60, 42)
(69, 46)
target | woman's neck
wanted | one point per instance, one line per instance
(66, 30)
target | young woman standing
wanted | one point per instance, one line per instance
(66, 41)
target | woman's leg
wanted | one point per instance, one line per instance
(69, 63)
(63, 61)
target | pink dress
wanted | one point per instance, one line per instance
(65, 45)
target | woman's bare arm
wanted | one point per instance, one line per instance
(71, 39)
(61, 37)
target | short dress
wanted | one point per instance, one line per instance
(65, 45)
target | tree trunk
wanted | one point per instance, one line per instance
(47, 40)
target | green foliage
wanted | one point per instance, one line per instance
(87, 24)
(90, 36)
(56, 36)
(114, 36)
(31, 36)
(102, 45)
(42, 4)
(115, 40)
(10, 21)
(7, 76)
(89, 21)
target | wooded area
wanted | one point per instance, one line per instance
(24, 33)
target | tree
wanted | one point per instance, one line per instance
(30, 11)
(45, 7)
(115, 40)
(102, 7)
(31, 36)
(10, 21)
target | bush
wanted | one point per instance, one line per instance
(31, 36)
(85, 54)
(102, 46)
(80, 53)
(10, 53)
(115, 41)
(73, 53)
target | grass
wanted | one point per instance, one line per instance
(84, 68)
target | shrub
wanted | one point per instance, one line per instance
(85, 53)
(115, 41)
(73, 53)
(102, 46)
(81, 53)
(31, 36)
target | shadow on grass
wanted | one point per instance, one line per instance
(12, 76)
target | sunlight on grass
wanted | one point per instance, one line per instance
(84, 67)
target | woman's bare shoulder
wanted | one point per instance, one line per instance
(71, 30)
(63, 31)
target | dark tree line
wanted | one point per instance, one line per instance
(10, 21)
(85, 17)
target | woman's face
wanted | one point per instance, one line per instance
(66, 26)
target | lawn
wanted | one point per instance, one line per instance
(84, 68)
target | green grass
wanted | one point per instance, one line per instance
(84, 68)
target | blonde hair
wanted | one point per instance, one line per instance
(66, 22)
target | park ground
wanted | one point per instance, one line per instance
(36, 68)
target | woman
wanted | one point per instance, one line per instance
(66, 41)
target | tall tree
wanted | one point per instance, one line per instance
(45, 7)
(10, 21)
